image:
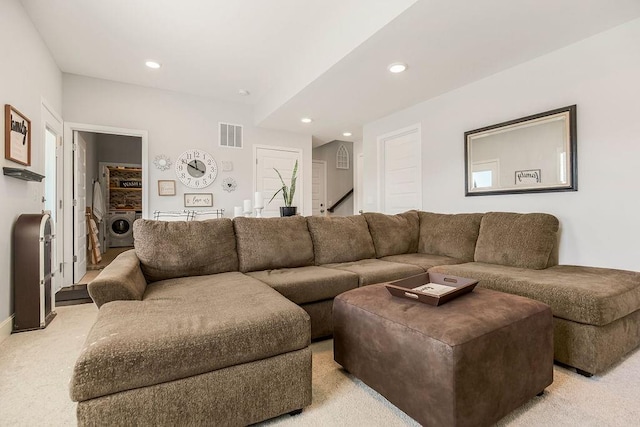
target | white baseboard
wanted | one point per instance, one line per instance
(5, 328)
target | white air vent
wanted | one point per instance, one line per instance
(230, 135)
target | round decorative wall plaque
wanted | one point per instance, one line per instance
(229, 184)
(162, 162)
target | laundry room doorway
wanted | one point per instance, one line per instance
(107, 181)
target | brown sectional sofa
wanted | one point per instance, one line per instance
(231, 306)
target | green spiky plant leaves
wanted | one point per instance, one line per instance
(287, 192)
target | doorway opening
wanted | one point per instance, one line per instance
(108, 178)
(338, 187)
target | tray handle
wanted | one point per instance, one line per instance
(411, 295)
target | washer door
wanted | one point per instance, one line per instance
(120, 227)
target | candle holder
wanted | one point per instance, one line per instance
(259, 212)
(246, 208)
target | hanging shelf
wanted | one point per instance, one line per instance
(24, 174)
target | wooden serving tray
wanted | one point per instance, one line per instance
(404, 288)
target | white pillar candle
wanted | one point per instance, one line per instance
(258, 200)
(237, 211)
(247, 206)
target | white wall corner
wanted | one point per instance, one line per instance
(5, 328)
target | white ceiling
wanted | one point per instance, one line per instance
(325, 59)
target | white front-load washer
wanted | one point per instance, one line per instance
(120, 228)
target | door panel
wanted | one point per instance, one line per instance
(401, 172)
(80, 198)
(359, 187)
(319, 188)
(268, 182)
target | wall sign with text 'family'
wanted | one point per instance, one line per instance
(17, 136)
(528, 177)
(198, 200)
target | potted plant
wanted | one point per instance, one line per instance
(287, 193)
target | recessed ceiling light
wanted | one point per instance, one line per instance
(306, 120)
(243, 92)
(397, 67)
(153, 64)
(346, 134)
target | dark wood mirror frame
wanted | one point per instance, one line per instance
(532, 154)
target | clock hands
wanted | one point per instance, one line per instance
(194, 167)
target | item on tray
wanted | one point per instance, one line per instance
(431, 288)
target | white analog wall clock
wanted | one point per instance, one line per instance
(196, 168)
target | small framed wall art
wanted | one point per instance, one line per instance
(193, 200)
(17, 136)
(166, 187)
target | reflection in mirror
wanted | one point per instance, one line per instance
(532, 154)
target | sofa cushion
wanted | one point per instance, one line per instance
(186, 327)
(424, 261)
(450, 235)
(588, 295)
(340, 239)
(177, 249)
(372, 271)
(516, 240)
(308, 284)
(393, 234)
(269, 243)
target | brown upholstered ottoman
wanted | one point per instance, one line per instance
(468, 362)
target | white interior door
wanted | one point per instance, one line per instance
(319, 188)
(359, 187)
(59, 242)
(54, 189)
(267, 180)
(53, 201)
(401, 172)
(80, 203)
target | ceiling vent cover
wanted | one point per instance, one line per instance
(230, 135)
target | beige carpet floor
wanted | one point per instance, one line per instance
(35, 368)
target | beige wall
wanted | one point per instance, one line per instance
(600, 74)
(27, 76)
(175, 123)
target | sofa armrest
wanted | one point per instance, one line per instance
(120, 280)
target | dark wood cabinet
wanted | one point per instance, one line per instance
(32, 272)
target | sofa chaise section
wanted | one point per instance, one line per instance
(596, 310)
(193, 342)
(144, 346)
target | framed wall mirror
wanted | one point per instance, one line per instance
(532, 154)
